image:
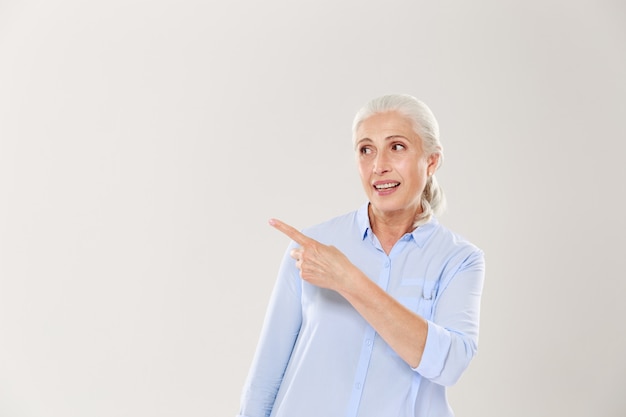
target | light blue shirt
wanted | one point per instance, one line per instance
(317, 357)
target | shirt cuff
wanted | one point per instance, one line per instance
(438, 341)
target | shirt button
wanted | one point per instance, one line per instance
(368, 342)
(386, 264)
(357, 385)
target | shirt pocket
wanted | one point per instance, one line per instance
(425, 307)
(418, 295)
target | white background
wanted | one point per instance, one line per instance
(144, 145)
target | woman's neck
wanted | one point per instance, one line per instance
(390, 227)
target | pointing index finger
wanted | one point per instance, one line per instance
(290, 231)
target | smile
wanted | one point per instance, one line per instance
(386, 186)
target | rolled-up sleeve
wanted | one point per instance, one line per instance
(452, 338)
(280, 331)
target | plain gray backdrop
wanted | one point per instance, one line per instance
(144, 145)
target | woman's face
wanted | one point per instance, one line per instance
(392, 164)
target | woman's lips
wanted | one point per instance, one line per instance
(385, 187)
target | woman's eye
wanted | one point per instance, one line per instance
(398, 147)
(365, 150)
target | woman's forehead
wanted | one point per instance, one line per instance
(386, 125)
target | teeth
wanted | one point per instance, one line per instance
(385, 186)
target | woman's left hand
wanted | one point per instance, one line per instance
(321, 265)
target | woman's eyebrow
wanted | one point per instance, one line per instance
(363, 140)
(391, 137)
(396, 137)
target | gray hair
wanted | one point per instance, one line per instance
(426, 127)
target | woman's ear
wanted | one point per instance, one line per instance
(433, 163)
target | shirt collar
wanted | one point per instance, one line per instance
(420, 235)
(363, 220)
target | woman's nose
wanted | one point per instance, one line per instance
(381, 163)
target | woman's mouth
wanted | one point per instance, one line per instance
(386, 186)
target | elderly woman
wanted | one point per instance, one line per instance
(374, 313)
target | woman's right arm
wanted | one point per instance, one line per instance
(278, 336)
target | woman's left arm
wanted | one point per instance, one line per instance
(439, 350)
(453, 332)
